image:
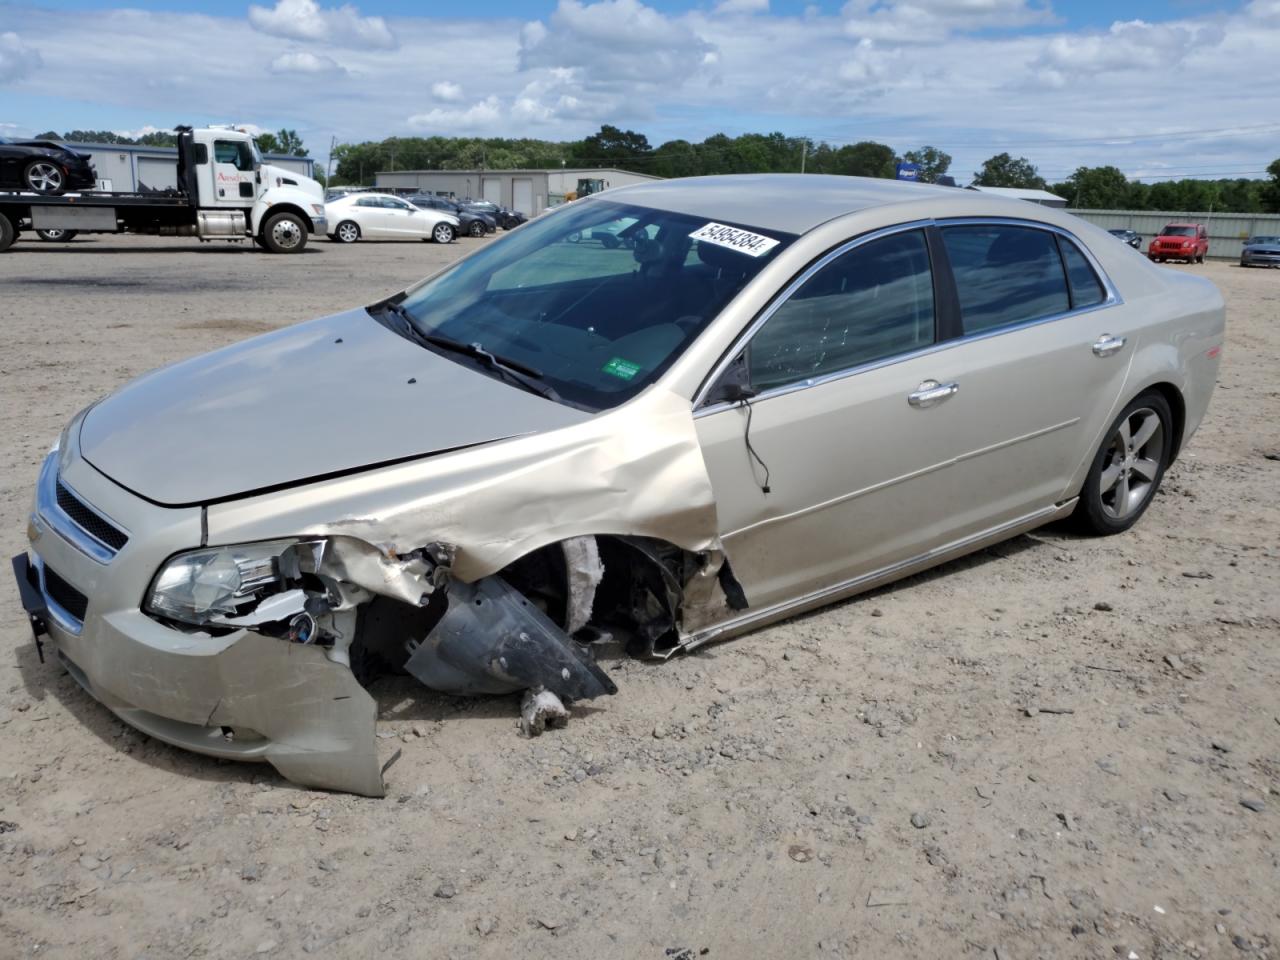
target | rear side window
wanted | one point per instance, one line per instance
(1005, 275)
(873, 302)
(1086, 288)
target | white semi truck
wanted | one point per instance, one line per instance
(225, 191)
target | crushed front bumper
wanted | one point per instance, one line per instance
(238, 695)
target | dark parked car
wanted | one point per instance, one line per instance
(507, 219)
(1131, 237)
(472, 223)
(1261, 252)
(43, 166)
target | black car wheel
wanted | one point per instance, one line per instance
(476, 229)
(1127, 468)
(45, 176)
(56, 235)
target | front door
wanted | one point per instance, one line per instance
(233, 174)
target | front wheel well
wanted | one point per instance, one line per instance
(285, 208)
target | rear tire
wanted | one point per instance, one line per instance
(284, 233)
(443, 233)
(476, 229)
(348, 231)
(7, 233)
(56, 235)
(1128, 467)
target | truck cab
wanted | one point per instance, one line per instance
(221, 169)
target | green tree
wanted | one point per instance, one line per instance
(159, 138)
(863, 159)
(611, 147)
(1003, 170)
(267, 143)
(1095, 188)
(933, 163)
(1271, 191)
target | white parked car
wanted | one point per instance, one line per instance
(380, 216)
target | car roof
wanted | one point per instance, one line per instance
(799, 202)
(793, 202)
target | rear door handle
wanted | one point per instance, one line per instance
(1106, 345)
(931, 393)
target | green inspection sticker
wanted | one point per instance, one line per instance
(622, 369)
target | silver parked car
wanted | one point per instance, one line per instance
(771, 393)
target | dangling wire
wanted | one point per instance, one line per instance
(764, 487)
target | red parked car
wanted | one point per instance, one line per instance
(1180, 241)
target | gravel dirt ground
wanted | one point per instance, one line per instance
(1057, 747)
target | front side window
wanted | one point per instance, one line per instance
(872, 302)
(235, 152)
(597, 320)
(1005, 275)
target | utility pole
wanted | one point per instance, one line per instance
(804, 153)
(328, 169)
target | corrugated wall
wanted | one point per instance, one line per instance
(1227, 231)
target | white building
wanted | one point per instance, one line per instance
(529, 191)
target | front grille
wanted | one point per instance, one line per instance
(89, 521)
(65, 595)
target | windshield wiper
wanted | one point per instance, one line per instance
(518, 373)
(521, 374)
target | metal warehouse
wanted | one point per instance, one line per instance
(127, 168)
(529, 191)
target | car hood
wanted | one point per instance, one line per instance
(319, 399)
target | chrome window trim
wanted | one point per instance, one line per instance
(1111, 299)
(70, 531)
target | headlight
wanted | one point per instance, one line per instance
(203, 586)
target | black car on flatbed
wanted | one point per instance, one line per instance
(45, 167)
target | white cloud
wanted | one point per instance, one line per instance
(446, 90)
(742, 6)
(300, 61)
(616, 44)
(931, 21)
(480, 116)
(972, 88)
(141, 131)
(307, 20)
(17, 60)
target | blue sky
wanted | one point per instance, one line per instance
(1158, 89)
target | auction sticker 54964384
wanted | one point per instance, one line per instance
(744, 241)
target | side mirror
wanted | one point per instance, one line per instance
(734, 384)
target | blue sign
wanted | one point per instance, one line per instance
(908, 171)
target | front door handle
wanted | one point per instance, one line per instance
(931, 393)
(1106, 345)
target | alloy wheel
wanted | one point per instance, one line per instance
(44, 177)
(286, 234)
(348, 232)
(1132, 463)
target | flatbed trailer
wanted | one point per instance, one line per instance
(225, 192)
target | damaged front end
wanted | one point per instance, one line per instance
(492, 570)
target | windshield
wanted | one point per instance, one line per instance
(598, 300)
(1178, 232)
(1257, 240)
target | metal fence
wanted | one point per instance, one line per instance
(1227, 231)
